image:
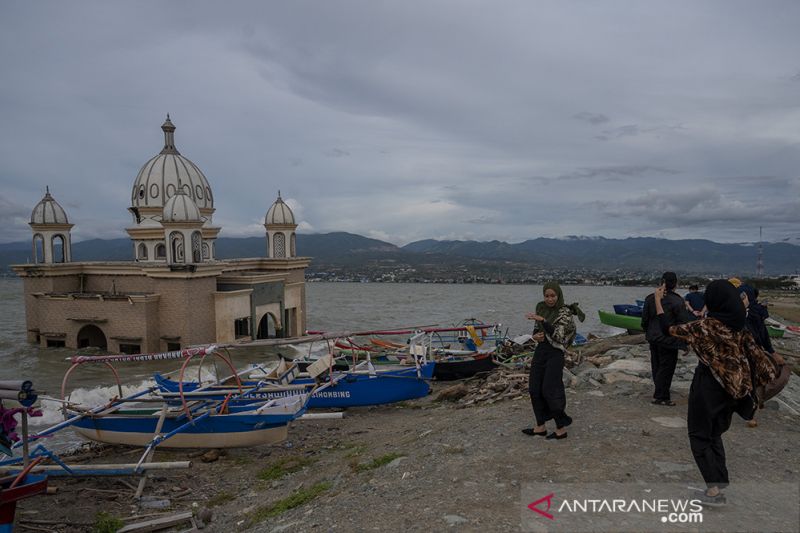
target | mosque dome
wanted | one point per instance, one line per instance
(48, 211)
(181, 208)
(279, 214)
(161, 177)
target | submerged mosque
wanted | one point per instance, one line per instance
(175, 292)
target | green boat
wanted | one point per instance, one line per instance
(775, 332)
(634, 323)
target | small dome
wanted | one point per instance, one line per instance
(181, 208)
(47, 211)
(162, 175)
(279, 213)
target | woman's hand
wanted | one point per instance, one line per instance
(659, 295)
(539, 337)
(660, 292)
(534, 316)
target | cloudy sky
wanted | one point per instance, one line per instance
(410, 120)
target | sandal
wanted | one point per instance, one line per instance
(668, 403)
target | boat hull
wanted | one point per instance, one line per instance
(631, 323)
(351, 390)
(241, 439)
(460, 369)
(242, 426)
(634, 323)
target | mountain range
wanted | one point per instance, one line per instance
(598, 254)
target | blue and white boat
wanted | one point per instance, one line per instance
(211, 424)
(362, 386)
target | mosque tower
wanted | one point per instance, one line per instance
(158, 181)
(280, 226)
(52, 242)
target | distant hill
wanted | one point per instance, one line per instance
(642, 254)
(639, 253)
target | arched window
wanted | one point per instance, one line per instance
(59, 250)
(176, 246)
(206, 252)
(38, 248)
(293, 246)
(161, 251)
(197, 247)
(280, 245)
(142, 254)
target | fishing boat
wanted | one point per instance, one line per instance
(361, 386)
(628, 309)
(147, 419)
(15, 488)
(210, 427)
(632, 323)
(452, 367)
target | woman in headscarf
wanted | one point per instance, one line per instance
(554, 332)
(756, 315)
(723, 381)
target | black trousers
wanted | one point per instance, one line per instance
(709, 416)
(662, 363)
(546, 385)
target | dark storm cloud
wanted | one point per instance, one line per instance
(703, 206)
(479, 122)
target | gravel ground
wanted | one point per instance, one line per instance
(429, 465)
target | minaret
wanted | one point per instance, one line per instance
(52, 241)
(280, 226)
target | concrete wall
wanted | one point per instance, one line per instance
(228, 306)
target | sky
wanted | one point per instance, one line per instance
(403, 121)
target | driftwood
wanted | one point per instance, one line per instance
(609, 343)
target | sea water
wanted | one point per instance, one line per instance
(330, 307)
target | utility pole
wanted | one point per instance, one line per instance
(760, 262)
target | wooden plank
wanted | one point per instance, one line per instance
(157, 523)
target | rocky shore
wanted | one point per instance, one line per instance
(455, 460)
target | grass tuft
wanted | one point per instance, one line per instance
(220, 498)
(376, 463)
(297, 498)
(106, 523)
(283, 467)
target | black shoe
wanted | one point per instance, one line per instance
(556, 436)
(532, 433)
(711, 501)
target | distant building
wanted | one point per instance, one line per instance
(175, 292)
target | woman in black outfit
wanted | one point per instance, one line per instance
(554, 332)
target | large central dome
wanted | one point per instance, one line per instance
(160, 178)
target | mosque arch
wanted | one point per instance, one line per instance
(141, 254)
(197, 247)
(92, 336)
(267, 327)
(58, 248)
(176, 247)
(38, 248)
(160, 252)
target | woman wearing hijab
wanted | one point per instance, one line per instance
(723, 381)
(554, 331)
